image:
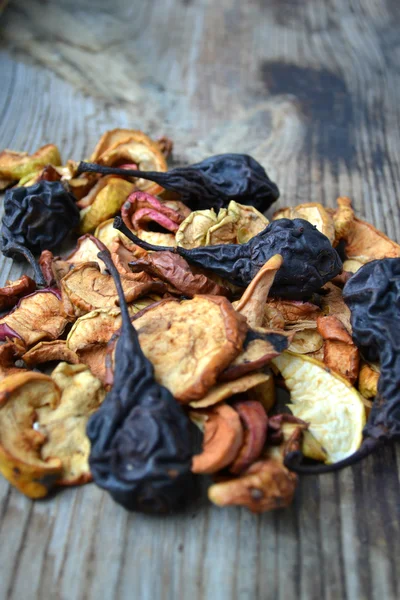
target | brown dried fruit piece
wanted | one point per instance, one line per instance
(364, 242)
(174, 270)
(15, 165)
(85, 289)
(340, 352)
(222, 391)
(294, 314)
(84, 252)
(252, 303)
(127, 146)
(255, 423)
(306, 341)
(65, 425)
(37, 317)
(314, 213)
(91, 333)
(21, 395)
(50, 351)
(223, 438)
(343, 218)
(187, 353)
(11, 293)
(266, 485)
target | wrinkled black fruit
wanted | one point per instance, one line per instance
(211, 183)
(37, 217)
(373, 296)
(309, 260)
(141, 442)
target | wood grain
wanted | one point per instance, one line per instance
(312, 90)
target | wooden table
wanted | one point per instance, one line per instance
(312, 90)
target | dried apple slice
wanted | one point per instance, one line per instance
(125, 146)
(21, 395)
(64, 426)
(187, 353)
(39, 316)
(11, 293)
(174, 269)
(85, 289)
(106, 233)
(50, 351)
(15, 165)
(222, 391)
(255, 423)
(9, 353)
(327, 401)
(306, 341)
(363, 242)
(249, 221)
(223, 438)
(266, 485)
(340, 352)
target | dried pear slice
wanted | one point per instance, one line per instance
(330, 404)
(191, 342)
(21, 395)
(15, 165)
(106, 204)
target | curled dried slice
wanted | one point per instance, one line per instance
(141, 209)
(225, 390)
(283, 426)
(15, 165)
(223, 438)
(193, 230)
(327, 401)
(36, 317)
(363, 242)
(255, 423)
(174, 270)
(343, 217)
(106, 204)
(188, 354)
(333, 305)
(64, 426)
(85, 251)
(266, 485)
(252, 303)
(91, 333)
(121, 146)
(21, 395)
(314, 213)
(11, 293)
(84, 289)
(49, 351)
(259, 348)
(293, 314)
(340, 352)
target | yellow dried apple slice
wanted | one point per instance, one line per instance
(191, 342)
(15, 165)
(21, 395)
(329, 403)
(106, 233)
(65, 425)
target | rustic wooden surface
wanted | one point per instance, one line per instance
(311, 88)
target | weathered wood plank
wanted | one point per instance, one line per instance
(311, 89)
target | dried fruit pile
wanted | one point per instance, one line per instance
(181, 305)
